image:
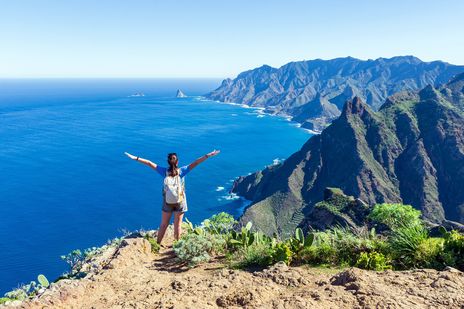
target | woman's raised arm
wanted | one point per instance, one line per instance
(141, 160)
(203, 158)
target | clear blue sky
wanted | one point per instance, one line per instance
(199, 38)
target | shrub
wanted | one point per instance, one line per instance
(26, 290)
(395, 216)
(219, 244)
(256, 255)
(74, 259)
(373, 261)
(321, 252)
(220, 223)
(404, 244)
(194, 249)
(351, 243)
(282, 253)
(344, 246)
(429, 253)
(453, 249)
(21, 293)
(155, 247)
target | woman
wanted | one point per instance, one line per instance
(174, 200)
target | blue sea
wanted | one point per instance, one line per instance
(65, 182)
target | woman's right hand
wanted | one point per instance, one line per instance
(130, 156)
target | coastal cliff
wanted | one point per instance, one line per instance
(411, 151)
(130, 275)
(313, 92)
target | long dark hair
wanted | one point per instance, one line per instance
(173, 160)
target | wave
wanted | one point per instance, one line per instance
(276, 161)
(230, 197)
(220, 189)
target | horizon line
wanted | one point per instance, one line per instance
(110, 77)
(223, 77)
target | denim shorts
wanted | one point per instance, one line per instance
(179, 207)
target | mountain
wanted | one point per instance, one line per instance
(410, 151)
(180, 94)
(313, 92)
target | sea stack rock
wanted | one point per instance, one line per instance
(180, 94)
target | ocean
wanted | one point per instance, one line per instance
(66, 184)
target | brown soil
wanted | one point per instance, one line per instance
(132, 277)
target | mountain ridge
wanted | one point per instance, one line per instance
(291, 89)
(410, 151)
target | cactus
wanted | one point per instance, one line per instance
(299, 235)
(199, 231)
(245, 238)
(43, 281)
(188, 225)
(309, 240)
(299, 242)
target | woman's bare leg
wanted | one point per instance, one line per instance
(178, 224)
(165, 218)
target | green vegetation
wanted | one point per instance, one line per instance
(26, 291)
(395, 216)
(43, 281)
(337, 202)
(75, 259)
(453, 248)
(155, 247)
(195, 248)
(373, 261)
(404, 243)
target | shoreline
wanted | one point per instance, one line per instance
(264, 112)
(244, 203)
(261, 111)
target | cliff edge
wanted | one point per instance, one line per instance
(130, 275)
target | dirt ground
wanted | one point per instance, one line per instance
(132, 277)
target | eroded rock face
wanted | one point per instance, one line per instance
(313, 92)
(411, 151)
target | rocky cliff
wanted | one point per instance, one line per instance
(313, 92)
(130, 276)
(180, 94)
(410, 151)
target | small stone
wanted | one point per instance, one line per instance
(178, 285)
(452, 270)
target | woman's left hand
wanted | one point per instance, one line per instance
(213, 153)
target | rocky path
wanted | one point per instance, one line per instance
(133, 277)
